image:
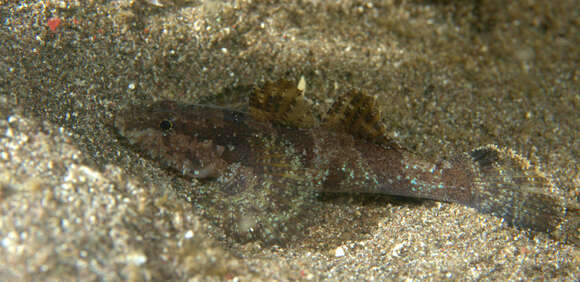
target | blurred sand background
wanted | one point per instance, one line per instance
(450, 76)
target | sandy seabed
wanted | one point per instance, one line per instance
(77, 203)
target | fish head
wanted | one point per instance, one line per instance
(190, 139)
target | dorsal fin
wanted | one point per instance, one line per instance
(283, 103)
(357, 113)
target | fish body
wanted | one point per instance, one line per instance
(275, 147)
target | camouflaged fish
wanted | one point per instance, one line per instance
(265, 166)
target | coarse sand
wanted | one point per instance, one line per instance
(76, 202)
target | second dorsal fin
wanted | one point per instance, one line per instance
(283, 103)
(357, 113)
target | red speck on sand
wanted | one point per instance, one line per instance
(53, 23)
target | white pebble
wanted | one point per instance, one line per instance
(339, 252)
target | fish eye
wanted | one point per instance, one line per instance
(165, 125)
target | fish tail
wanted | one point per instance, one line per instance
(508, 186)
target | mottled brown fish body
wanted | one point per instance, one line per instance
(356, 165)
(202, 142)
(244, 151)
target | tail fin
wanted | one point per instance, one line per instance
(508, 186)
